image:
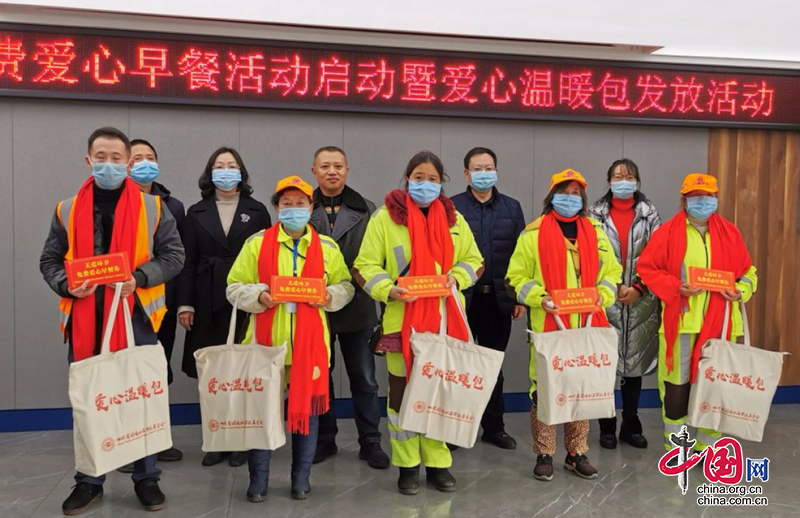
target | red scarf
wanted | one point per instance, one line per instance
(307, 396)
(660, 266)
(123, 239)
(431, 243)
(553, 255)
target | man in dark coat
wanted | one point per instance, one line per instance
(496, 221)
(109, 158)
(343, 214)
(144, 172)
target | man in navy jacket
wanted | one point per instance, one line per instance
(496, 221)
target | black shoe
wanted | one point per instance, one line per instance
(81, 499)
(608, 441)
(298, 494)
(149, 494)
(170, 455)
(441, 479)
(408, 483)
(452, 447)
(580, 465)
(544, 468)
(127, 468)
(325, 450)
(215, 457)
(237, 458)
(636, 440)
(374, 455)
(501, 440)
(257, 497)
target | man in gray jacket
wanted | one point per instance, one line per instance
(97, 204)
(343, 214)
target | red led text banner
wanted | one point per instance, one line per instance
(279, 75)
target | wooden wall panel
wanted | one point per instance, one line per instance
(759, 179)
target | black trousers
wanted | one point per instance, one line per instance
(492, 329)
(166, 335)
(631, 388)
(360, 365)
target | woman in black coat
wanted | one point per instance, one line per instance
(214, 232)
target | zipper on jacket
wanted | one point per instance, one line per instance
(705, 249)
(707, 265)
(292, 315)
(626, 312)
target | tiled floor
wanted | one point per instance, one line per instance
(36, 475)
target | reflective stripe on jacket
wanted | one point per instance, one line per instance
(152, 299)
(386, 251)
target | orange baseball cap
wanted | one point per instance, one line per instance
(567, 175)
(294, 182)
(699, 182)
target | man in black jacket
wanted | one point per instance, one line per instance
(343, 214)
(144, 172)
(496, 221)
(109, 159)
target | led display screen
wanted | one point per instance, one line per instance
(146, 67)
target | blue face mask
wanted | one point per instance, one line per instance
(226, 179)
(567, 205)
(144, 172)
(295, 218)
(424, 193)
(701, 207)
(623, 189)
(109, 175)
(483, 181)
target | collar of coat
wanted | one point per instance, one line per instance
(395, 203)
(350, 198)
(490, 201)
(159, 190)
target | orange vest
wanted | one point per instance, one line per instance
(153, 299)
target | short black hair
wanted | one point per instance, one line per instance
(207, 186)
(426, 157)
(143, 142)
(479, 151)
(111, 133)
(330, 149)
(559, 189)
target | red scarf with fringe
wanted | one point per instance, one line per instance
(307, 395)
(123, 239)
(431, 244)
(660, 266)
(553, 256)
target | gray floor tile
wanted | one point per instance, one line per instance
(36, 473)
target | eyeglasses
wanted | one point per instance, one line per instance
(629, 177)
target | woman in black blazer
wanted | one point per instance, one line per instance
(214, 232)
